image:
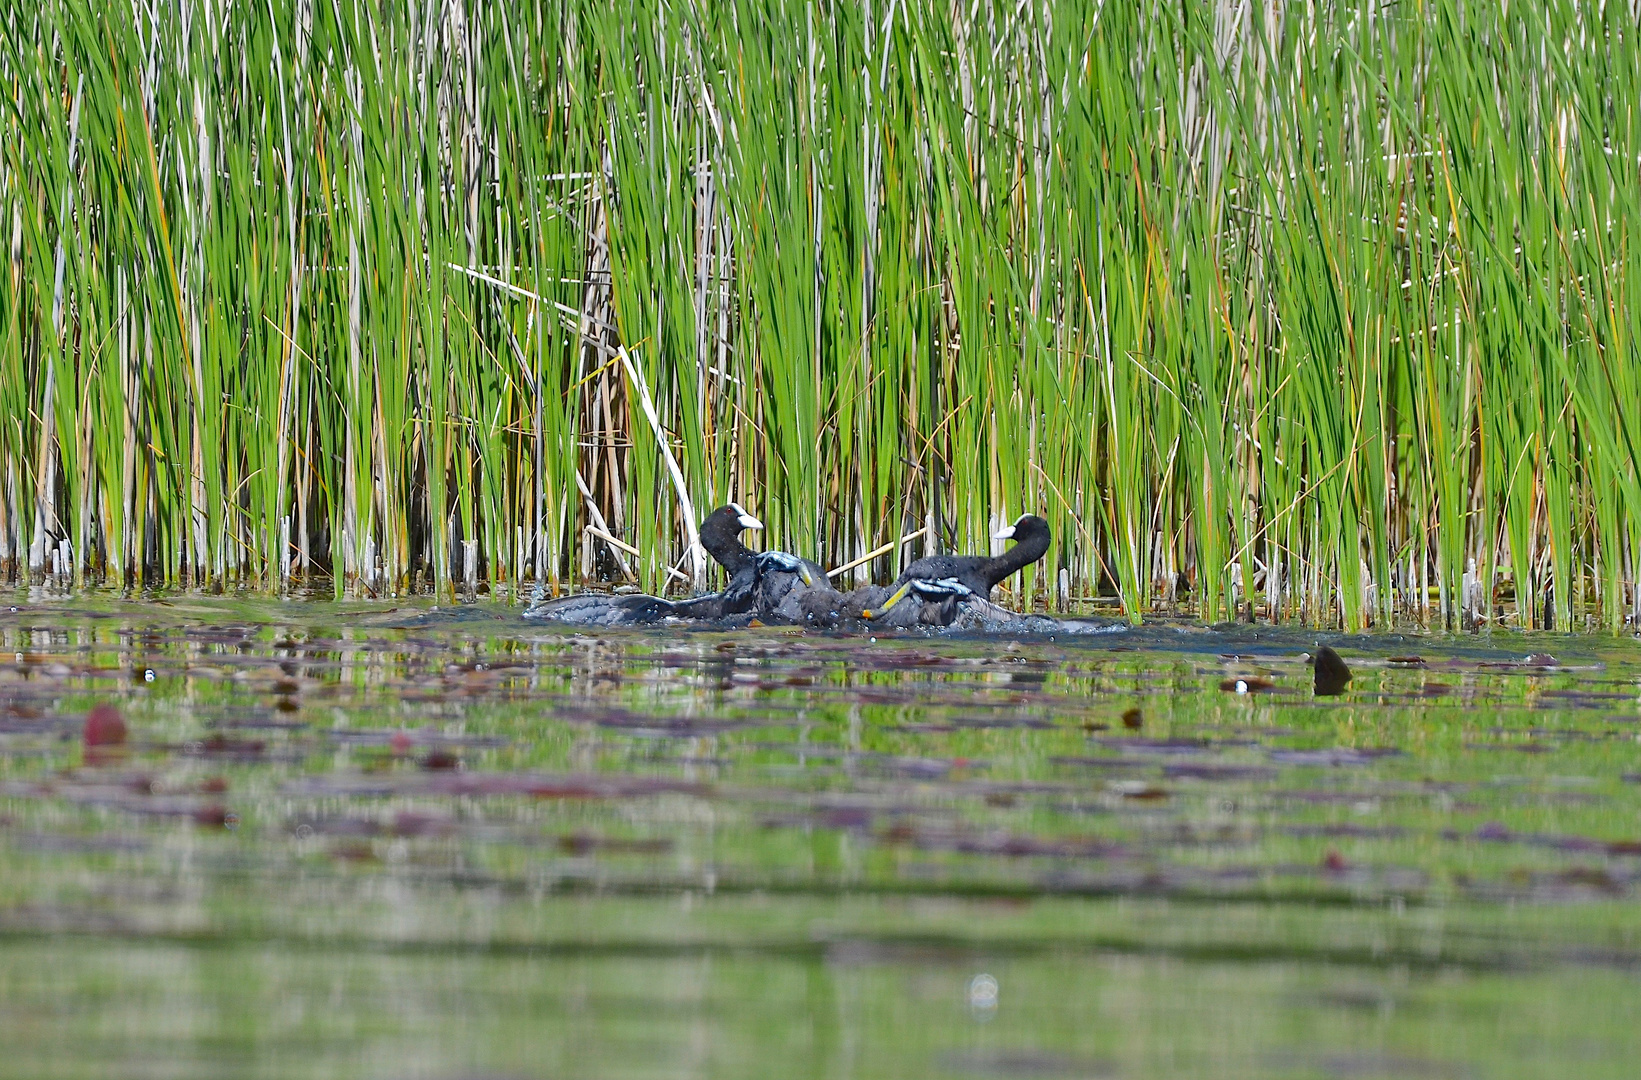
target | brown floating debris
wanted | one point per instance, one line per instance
(215, 816)
(582, 843)
(354, 851)
(1133, 719)
(439, 759)
(104, 726)
(104, 734)
(1332, 673)
(219, 743)
(1247, 685)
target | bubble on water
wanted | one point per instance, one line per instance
(983, 994)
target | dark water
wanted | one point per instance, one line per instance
(360, 841)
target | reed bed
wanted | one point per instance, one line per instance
(1319, 312)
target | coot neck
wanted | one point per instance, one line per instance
(1027, 551)
(727, 550)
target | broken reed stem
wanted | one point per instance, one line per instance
(875, 552)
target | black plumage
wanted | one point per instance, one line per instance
(758, 581)
(980, 572)
(602, 610)
(946, 580)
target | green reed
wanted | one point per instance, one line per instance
(1312, 315)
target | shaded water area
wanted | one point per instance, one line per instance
(354, 840)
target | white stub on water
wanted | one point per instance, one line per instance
(983, 994)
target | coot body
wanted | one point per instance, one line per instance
(979, 573)
(758, 581)
(948, 579)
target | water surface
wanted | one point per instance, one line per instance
(354, 840)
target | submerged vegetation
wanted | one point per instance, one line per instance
(1318, 313)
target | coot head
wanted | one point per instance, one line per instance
(1025, 527)
(723, 527)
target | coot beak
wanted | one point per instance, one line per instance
(889, 603)
(1005, 533)
(744, 519)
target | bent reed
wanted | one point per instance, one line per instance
(1319, 312)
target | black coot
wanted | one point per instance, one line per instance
(946, 579)
(758, 581)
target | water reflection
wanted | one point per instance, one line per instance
(319, 829)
